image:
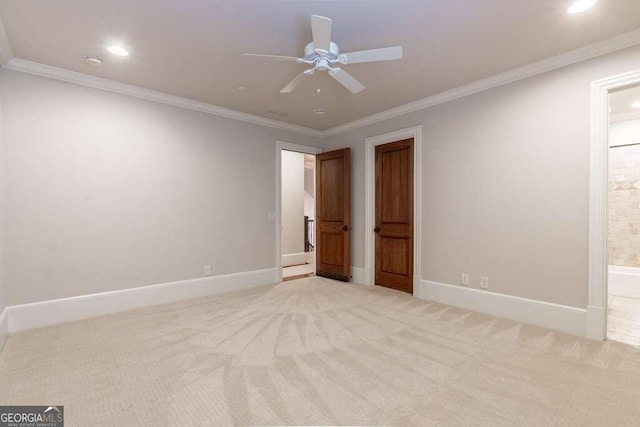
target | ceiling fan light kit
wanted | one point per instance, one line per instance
(324, 55)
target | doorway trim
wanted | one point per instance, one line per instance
(414, 132)
(596, 327)
(286, 146)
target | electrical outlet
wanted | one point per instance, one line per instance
(465, 279)
(484, 282)
(207, 270)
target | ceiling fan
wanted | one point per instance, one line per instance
(323, 55)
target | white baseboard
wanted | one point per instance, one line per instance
(571, 320)
(624, 281)
(297, 259)
(46, 313)
(4, 326)
(596, 323)
(417, 287)
(358, 275)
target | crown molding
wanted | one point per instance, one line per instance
(5, 47)
(614, 44)
(611, 45)
(56, 73)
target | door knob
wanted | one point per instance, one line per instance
(346, 228)
(376, 230)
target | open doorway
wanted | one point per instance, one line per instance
(298, 214)
(623, 291)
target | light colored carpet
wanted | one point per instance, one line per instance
(314, 351)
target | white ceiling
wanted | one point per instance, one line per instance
(192, 48)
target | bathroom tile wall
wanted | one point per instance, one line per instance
(624, 199)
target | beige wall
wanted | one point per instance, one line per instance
(3, 301)
(292, 202)
(104, 191)
(310, 187)
(505, 184)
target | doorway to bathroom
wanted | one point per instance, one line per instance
(623, 294)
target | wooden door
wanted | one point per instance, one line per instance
(394, 215)
(333, 214)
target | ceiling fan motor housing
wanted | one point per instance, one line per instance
(310, 51)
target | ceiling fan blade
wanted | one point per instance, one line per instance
(321, 29)
(384, 54)
(347, 80)
(294, 83)
(274, 57)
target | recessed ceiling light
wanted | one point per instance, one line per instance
(118, 50)
(319, 111)
(635, 105)
(318, 90)
(93, 61)
(580, 6)
(241, 88)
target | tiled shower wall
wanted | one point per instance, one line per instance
(624, 206)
